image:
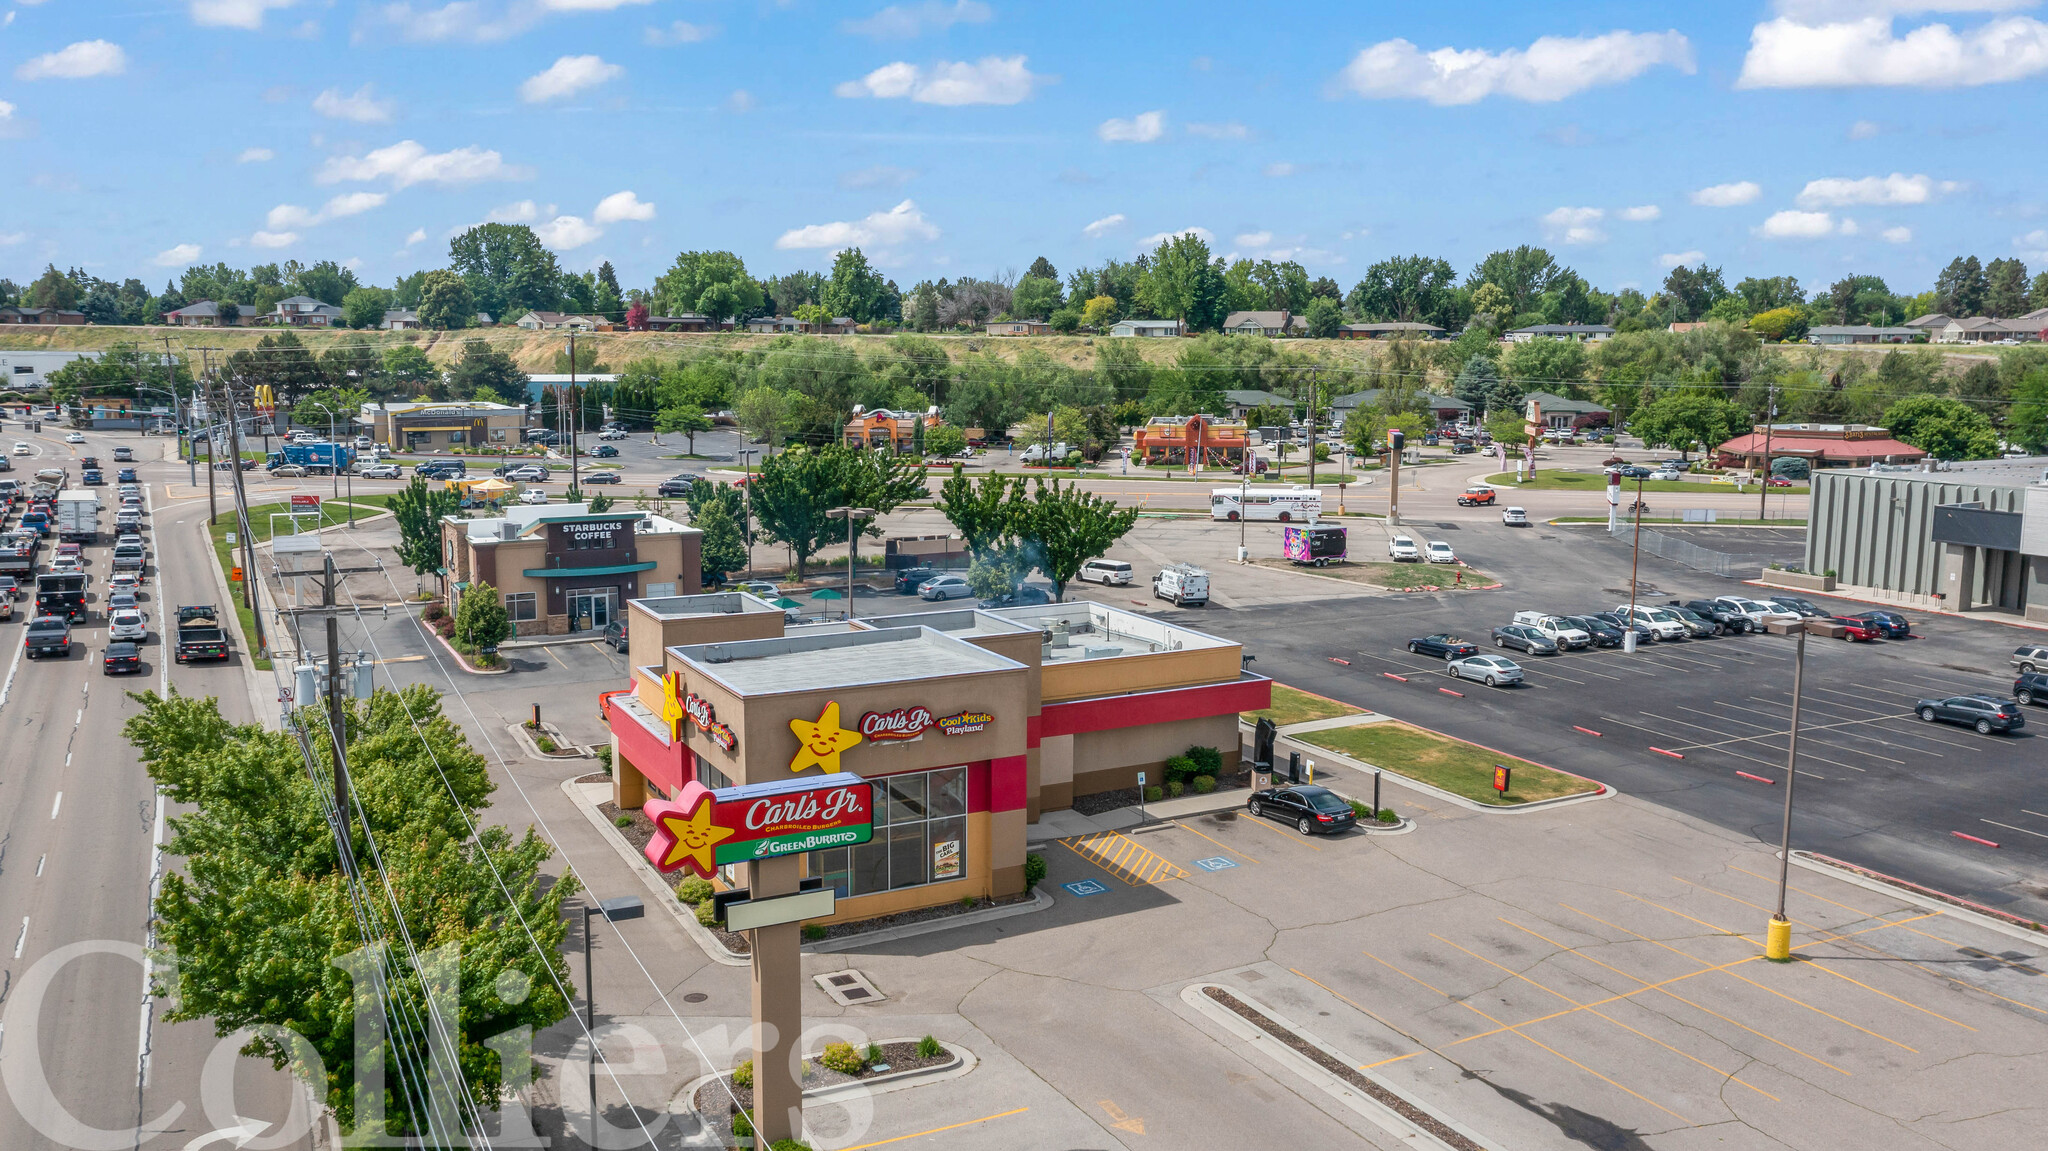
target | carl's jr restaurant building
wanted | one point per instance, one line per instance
(969, 723)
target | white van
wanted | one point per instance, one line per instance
(1108, 573)
(1036, 452)
(1184, 584)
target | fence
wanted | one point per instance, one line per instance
(1692, 555)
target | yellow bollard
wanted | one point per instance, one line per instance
(1778, 940)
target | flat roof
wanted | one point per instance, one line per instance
(710, 603)
(1085, 630)
(960, 621)
(2029, 472)
(838, 659)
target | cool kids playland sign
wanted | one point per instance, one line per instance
(707, 829)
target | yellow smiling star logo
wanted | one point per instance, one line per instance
(821, 742)
(672, 711)
(684, 832)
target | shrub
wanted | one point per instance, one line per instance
(1387, 815)
(546, 745)
(434, 612)
(1204, 784)
(873, 1054)
(604, 755)
(1179, 767)
(707, 914)
(1360, 810)
(1034, 870)
(788, 1145)
(967, 903)
(742, 1127)
(743, 1075)
(1208, 760)
(694, 891)
(929, 1048)
(814, 931)
(623, 821)
(841, 1057)
(1174, 787)
(1154, 794)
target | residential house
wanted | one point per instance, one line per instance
(1930, 323)
(1984, 330)
(305, 312)
(1447, 409)
(1683, 326)
(1563, 414)
(687, 322)
(1148, 329)
(400, 320)
(774, 325)
(559, 321)
(1243, 401)
(1389, 331)
(1272, 324)
(836, 326)
(206, 314)
(1862, 334)
(15, 315)
(882, 428)
(1593, 332)
(1019, 328)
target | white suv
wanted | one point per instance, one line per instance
(1662, 624)
(1403, 548)
(1758, 612)
(1109, 573)
(1555, 629)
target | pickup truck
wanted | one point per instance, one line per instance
(47, 635)
(199, 634)
(129, 557)
(1556, 629)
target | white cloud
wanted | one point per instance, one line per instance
(1848, 227)
(879, 176)
(680, 32)
(1142, 128)
(590, 5)
(901, 224)
(1727, 195)
(1280, 169)
(1253, 239)
(1898, 235)
(1113, 220)
(521, 212)
(480, 21)
(1896, 188)
(285, 217)
(990, 80)
(408, 162)
(1574, 225)
(415, 236)
(909, 21)
(566, 232)
(177, 257)
(1793, 225)
(274, 239)
(1790, 53)
(2033, 245)
(234, 13)
(741, 101)
(568, 76)
(1674, 259)
(255, 156)
(1220, 130)
(1640, 214)
(362, 107)
(1864, 129)
(1552, 68)
(1158, 238)
(10, 239)
(80, 61)
(622, 206)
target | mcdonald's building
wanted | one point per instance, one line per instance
(967, 723)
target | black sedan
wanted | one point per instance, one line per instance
(1805, 607)
(1731, 621)
(1986, 713)
(1312, 810)
(908, 580)
(602, 477)
(1522, 637)
(122, 659)
(2031, 687)
(1443, 645)
(1891, 623)
(1613, 619)
(674, 488)
(1604, 634)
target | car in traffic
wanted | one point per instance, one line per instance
(2026, 657)
(1667, 474)
(67, 565)
(1403, 548)
(288, 472)
(1478, 496)
(2031, 687)
(1729, 620)
(121, 658)
(1514, 517)
(126, 476)
(1778, 482)
(1443, 645)
(524, 473)
(123, 454)
(675, 487)
(1599, 631)
(129, 624)
(1986, 713)
(1524, 638)
(1891, 623)
(944, 587)
(1313, 810)
(1439, 552)
(47, 635)
(92, 478)
(603, 452)
(74, 438)
(21, 448)
(124, 583)
(601, 476)
(1491, 670)
(380, 471)
(533, 496)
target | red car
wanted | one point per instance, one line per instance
(1777, 482)
(1859, 629)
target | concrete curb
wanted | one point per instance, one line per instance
(1917, 899)
(664, 895)
(457, 656)
(1395, 777)
(1892, 605)
(532, 749)
(1040, 901)
(964, 1062)
(1380, 1115)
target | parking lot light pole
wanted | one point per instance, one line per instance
(624, 907)
(1628, 636)
(852, 516)
(1778, 934)
(746, 456)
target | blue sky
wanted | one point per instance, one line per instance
(960, 137)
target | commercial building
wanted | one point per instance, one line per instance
(1181, 439)
(1972, 537)
(27, 369)
(1821, 445)
(430, 426)
(970, 724)
(882, 428)
(563, 568)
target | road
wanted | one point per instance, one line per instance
(79, 828)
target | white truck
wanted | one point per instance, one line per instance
(1036, 453)
(78, 516)
(1184, 584)
(1556, 629)
(1662, 624)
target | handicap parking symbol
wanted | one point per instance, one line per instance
(1215, 863)
(1085, 887)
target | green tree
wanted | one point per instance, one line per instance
(260, 912)
(856, 289)
(1943, 427)
(715, 284)
(763, 413)
(1523, 274)
(1786, 323)
(326, 281)
(687, 420)
(1063, 527)
(1545, 365)
(508, 270)
(2029, 419)
(53, 289)
(480, 617)
(1684, 419)
(1035, 298)
(419, 509)
(2005, 288)
(1476, 382)
(793, 491)
(327, 406)
(721, 514)
(1493, 301)
(1365, 429)
(944, 441)
(986, 512)
(1324, 318)
(446, 302)
(1961, 287)
(1408, 289)
(1183, 284)
(1099, 312)
(407, 365)
(364, 307)
(483, 366)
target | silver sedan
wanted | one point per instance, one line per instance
(1491, 670)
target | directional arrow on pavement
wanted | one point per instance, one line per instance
(238, 1135)
(1121, 1121)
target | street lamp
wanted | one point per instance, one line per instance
(624, 907)
(852, 516)
(746, 456)
(1628, 637)
(1778, 935)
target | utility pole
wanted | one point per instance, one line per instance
(1763, 479)
(171, 371)
(1313, 380)
(337, 725)
(242, 509)
(575, 414)
(212, 438)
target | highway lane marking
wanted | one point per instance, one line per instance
(8, 688)
(59, 802)
(21, 940)
(40, 859)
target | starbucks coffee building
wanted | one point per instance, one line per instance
(968, 724)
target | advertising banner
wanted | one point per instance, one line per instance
(707, 829)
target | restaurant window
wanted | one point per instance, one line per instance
(710, 776)
(521, 605)
(920, 836)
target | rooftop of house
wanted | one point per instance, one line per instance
(1563, 329)
(1859, 330)
(838, 658)
(1391, 326)
(1254, 398)
(1266, 319)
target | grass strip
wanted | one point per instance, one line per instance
(331, 513)
(1458, 767)
(1293, 705)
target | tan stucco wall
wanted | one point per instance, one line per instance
(1108, 760)
(1086, 679)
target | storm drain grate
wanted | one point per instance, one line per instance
(848, 988)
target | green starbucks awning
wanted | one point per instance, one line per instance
(559, 573)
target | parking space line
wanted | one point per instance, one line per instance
(1721, 745)
(1884, 740)
(1821, 934)
(1210, 838)
(2010, 827)
(1125, 858)
(1659, 987)
(1532, 1039)
(1908, 737)
(1577, 1006)
(1818, 965)
(936, 1130)
(551, 655)
(1370, 1013)
(1646, 986)
(1256, 821)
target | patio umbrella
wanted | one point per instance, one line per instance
(828, 593)
(785, 603)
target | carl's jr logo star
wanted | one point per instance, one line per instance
(821, 742)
